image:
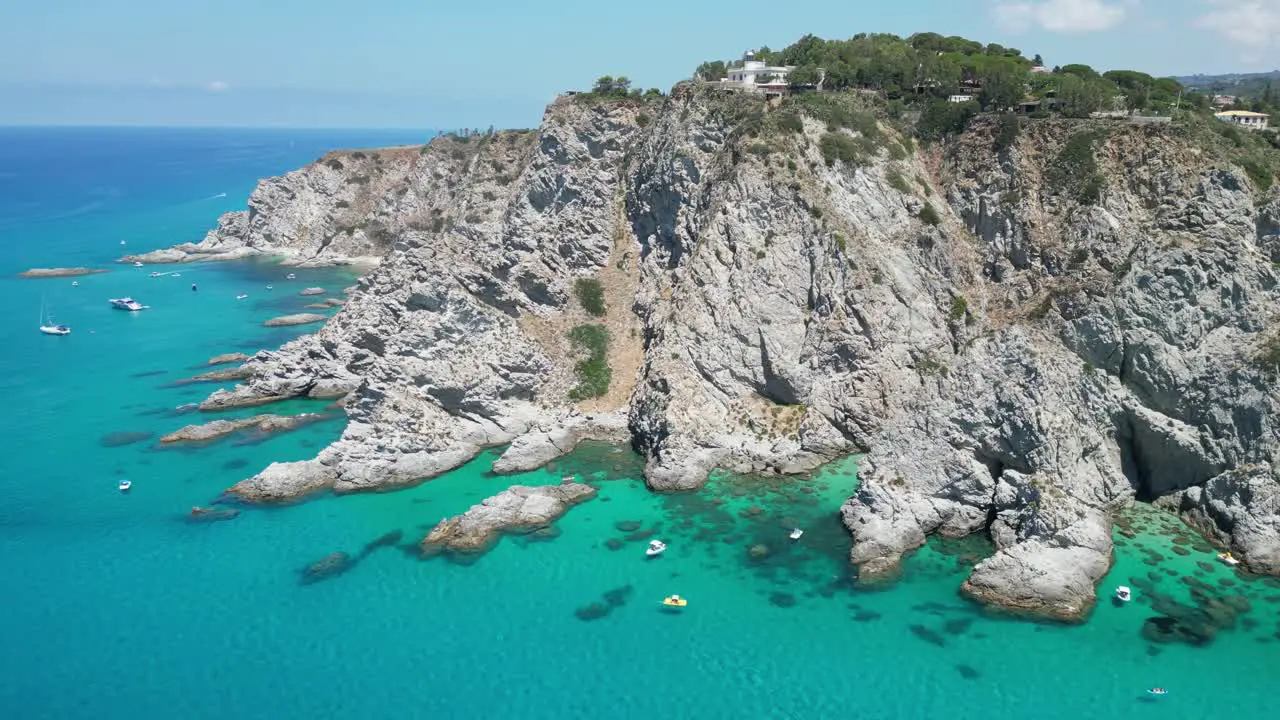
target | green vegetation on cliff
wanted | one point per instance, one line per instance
(594, 373)
(590, 295)
(1074, 170)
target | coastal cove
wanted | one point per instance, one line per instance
(120, 607)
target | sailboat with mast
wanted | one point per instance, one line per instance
(48, 326)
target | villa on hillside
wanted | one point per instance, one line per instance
(959, 98)
(1225, 100)
(1245, 119)
(758, 76)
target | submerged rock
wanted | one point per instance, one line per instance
(202, 514)
(330, 566)
(312, 291)
(119, 439)
(516, 508)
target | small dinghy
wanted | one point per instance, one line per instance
(656, 547)
(796, 534)
(1124, 594)
(290, 276)
(137, 263)
(75, 283)
(675, 601)
(1228, 559)
(270, 288)
(1157, 691)
(125, 485)
(241, 297)
(154, 274)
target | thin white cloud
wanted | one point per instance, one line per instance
(1062, 16)
(1251, 27)
(218, 86)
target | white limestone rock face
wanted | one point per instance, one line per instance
(1024, 367)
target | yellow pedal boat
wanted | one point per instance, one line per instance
(675, 601)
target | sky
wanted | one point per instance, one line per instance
(433, 64)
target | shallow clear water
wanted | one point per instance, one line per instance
(115, 607)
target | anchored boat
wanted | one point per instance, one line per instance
(127, 303)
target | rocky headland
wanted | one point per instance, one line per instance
(518, 508)
(1024, 327)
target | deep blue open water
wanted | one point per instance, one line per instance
(115, 607)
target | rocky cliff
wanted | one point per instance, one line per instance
(1023, 331)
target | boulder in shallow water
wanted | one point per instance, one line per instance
(58, 272)
(223, 359)
(516, 508)
(312, 291)
(219, 428)
(295, 319)
(283, 481)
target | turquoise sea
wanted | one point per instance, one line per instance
(114, 606)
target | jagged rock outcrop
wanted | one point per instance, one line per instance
(1021, 346)
(519, 507)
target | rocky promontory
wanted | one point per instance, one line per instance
(59, 272)
(295, 319)
(515, 509)
(1025, 326)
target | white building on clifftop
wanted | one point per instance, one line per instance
(757, 74)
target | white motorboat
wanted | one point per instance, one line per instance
(796, 533)
(125, 485)
(137, 263)
(1228, 559)
(241, 297)
(177, 274)
(48, 326)
(656, 547)
(127, 303)
(154, 274)
(290, 276)
(1124, 594)
(270, 288)
(75, 283)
